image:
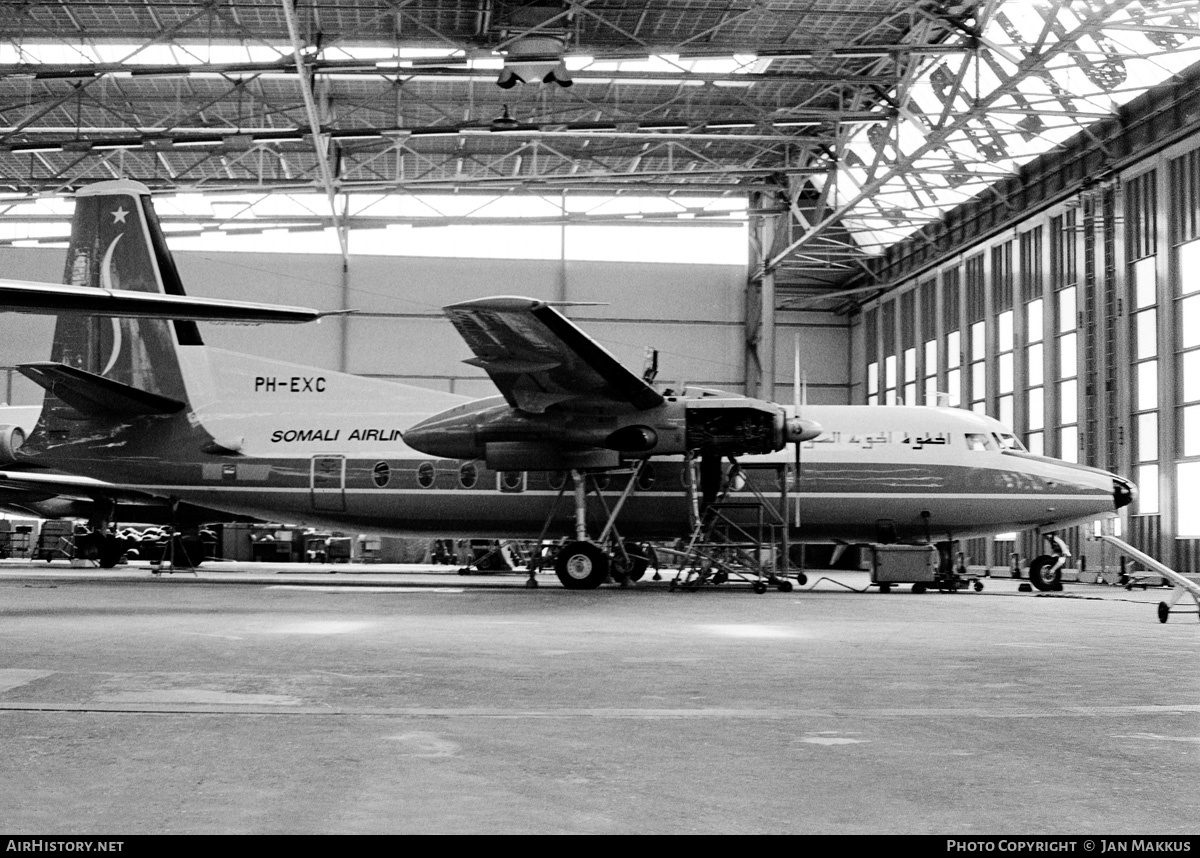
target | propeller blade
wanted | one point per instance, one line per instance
(796, 377)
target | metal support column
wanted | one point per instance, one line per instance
(769, 230)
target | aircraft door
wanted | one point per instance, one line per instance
(328, 483)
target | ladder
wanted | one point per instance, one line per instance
(737, 539)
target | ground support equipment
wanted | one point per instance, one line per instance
(1182, 583)
(744, 540)
(950, 574)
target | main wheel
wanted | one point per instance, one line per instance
(639, 562)
(581, 566)
(111, 550)
(1044, 574)
(1164, 611)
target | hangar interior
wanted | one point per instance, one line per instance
(992, 202)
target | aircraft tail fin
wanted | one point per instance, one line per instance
(117, 243)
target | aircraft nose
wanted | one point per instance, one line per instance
(1124, 492)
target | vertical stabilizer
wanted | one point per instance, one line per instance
(118, 244)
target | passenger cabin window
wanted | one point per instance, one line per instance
(980, 441)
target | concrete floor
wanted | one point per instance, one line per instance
(266, 701)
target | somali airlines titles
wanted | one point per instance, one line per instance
(290, 436)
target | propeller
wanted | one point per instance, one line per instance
(799, 429)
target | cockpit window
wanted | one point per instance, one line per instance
(980, 441)
(1009, 442)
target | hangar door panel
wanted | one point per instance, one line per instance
(329, 483)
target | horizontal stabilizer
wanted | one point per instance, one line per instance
(94, 394)
(21, 296)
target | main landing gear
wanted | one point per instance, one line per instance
(585, 564)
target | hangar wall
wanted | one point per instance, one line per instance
(693, 314)
(1080, 327)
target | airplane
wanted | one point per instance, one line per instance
(141, 405)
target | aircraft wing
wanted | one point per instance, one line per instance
(538, 358)
(22, 296)
(83, 488)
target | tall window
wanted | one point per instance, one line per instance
(1140, 218)
(930, 346)
(871, 338)
(1145, 381)
(1031, 294)
(1002, 303)
(908, 342)
(950, 304)
(1185, 186)
(976, 313)
(1068, 375)
(1188, 470)
(887, 325)
(1066, 388)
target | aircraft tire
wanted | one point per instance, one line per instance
(1042, 574)
(581, 566)
(638, 561)
(110, 550)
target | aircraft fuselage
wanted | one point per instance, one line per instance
(327, 449)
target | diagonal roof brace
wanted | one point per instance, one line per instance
(320, 139)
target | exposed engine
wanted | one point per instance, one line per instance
(732, 431)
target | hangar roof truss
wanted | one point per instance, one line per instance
(864, 120)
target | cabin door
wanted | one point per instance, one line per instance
(329, 483)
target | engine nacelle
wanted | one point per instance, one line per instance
(490, 428)
(705, 422)
(11, 439)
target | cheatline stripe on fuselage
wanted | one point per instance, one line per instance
(890, 479)
(305, 490)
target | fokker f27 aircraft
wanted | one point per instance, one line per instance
(137, 405)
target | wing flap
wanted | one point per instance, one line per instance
(540, 359)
